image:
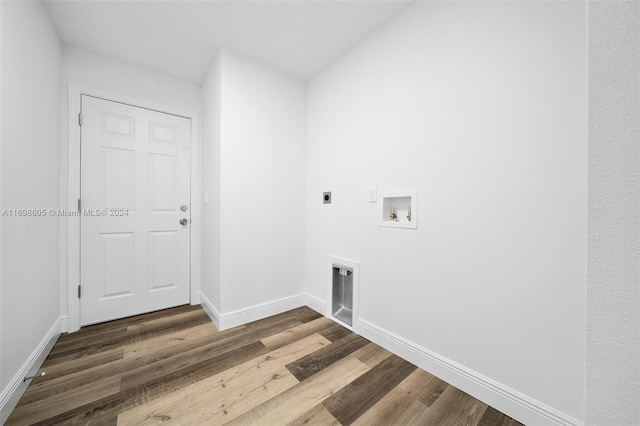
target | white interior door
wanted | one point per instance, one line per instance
(135, 179)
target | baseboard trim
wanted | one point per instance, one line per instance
(521, 407)
(256, 312)
(210, 309)
(513, 403)
(260, 311)
(64, 324)
(13, 391)
(315, 303)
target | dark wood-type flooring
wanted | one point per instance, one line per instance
(298, 367)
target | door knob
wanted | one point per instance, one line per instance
(184, 221)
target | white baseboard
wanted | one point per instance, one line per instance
(315, 303)
(256, 312)
(224, 321)
(260, 311)
(210, 309)
(511, 402)
(521, 407)
(64, 324)
(263, 310)
(13, 391)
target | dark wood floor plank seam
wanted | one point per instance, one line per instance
(268, 327)
(357, 397)
(129, 337)
(109, 344)
(109, 407)
(65, 368)
(129, 367)
(399, 406)
(304, 314)
(233, 391)
(335, 332)
(170, 322)
(41, 410)
(304, 396)
(456, 406)
(136, 319)
(323, 358)
(108, 327)
(296, 333)
(432, 391)
(88, 339)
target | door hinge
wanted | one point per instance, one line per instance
(79, 291)
(78, 204)
(79, 119)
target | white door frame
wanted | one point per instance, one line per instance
(70, 188)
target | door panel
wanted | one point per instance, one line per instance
(118, 264)
(117, 178)
(163, 188)
(163, 251)
(134, 178)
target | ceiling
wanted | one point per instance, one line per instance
(181, 38)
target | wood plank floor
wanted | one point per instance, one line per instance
(295, 368)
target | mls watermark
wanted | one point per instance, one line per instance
(64, 213)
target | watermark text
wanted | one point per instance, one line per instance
(64, 213)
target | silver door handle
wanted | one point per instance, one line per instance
(184, 221)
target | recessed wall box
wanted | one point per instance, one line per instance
(343, 292)
(399, 209)
(342, 295)
(326, 198)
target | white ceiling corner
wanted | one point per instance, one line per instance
(180, 38)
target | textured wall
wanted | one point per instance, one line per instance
(613, 292)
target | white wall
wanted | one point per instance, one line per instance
(211, 104)
(613, 291)
(89, 69)
(481, 107)
(262, 172)
(83, 68)
(31, 60)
